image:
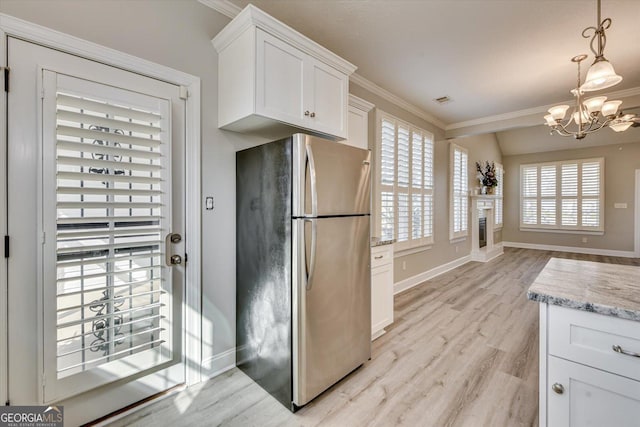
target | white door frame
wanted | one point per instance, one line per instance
(4, 318)
(11, 26)
(636, 215)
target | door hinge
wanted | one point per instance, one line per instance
(5, 71)
(6, 246)
(184, 92)
(44, 237)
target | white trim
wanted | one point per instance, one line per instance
(18, 28)
(560, 231)
(531, 111)
(542, 373)
(395, 99)
(224, 7)
(411, 251)
(251, 16)
(571, 249)
(636, 214)
(4, 344)
(360, 103)
(413, 281)
(219, 363)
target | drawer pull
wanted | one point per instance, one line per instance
(558, 388)
(378, 257)
(620, 350)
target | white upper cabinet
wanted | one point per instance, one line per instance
(272, 78)
(358, 122)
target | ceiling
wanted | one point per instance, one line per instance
(491, 57)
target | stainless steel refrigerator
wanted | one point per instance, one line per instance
(303, 316)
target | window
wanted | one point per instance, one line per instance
(459, 192)
(498, 215)
(565, 195)
(405, 178)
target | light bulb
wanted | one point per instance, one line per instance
(559, 111)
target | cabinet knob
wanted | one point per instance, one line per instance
(558, 388)
(306, 113)
(313, 114)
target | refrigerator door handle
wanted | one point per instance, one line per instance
(312, 261)
(312, 178)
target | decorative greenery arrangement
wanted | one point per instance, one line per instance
(487, 175)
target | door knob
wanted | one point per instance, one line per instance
(176, 259)
(558, 388)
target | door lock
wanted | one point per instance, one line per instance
(175, 238)
(172, 260)
(176, 259)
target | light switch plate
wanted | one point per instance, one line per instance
(208, 203)
(620, 205)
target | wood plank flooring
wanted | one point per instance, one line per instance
(463, 351)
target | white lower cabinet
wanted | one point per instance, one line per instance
(381, 289)
(589, 369)
(580, 396)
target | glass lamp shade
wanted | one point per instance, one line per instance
(620, 126)
(550, 120)
(601, 75)
(585, 117)
(558, 112)
(594, 105)
(610, 108)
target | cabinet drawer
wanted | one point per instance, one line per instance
(381, 255)
(590, 339)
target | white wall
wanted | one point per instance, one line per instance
(177, 34)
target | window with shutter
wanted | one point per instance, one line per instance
(565, 195)
(498, 213)
(405, 187)
(459, 192)
(110, 211)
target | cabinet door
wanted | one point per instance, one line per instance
(279, 80)
(358, 131)
(381, 298)
(326, 98)
(591, 397)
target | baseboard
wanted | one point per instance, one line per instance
(410, 282)
(576, 250)
(219, 363)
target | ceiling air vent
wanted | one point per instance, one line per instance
(442, 100)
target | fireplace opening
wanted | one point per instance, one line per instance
(482, 229)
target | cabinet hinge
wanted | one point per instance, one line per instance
(186, 258)
(6, 246)
(7, 403)
(184, 92)
(5, 71)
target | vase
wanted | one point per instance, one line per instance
(490, 190)
(483, 190)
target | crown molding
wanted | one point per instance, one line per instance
(625, 93)
(360, 103)
(225, 7)
(383, 93)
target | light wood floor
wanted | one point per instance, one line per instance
(463, 351)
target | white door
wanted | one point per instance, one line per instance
(95, 191)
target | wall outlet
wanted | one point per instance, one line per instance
(404, 265)
(584, 240)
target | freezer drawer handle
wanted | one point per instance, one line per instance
(312, 177)
(312, 261)
(620, 350)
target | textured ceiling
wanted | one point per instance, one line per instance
(490, 56)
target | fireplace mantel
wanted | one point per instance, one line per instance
(483, 205)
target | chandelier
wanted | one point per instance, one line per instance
(591, 114)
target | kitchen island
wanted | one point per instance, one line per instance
(589, 343)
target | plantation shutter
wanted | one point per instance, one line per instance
(428, 188)
(110, 168)
(459, 192)
(402, 185)
(387, 181)
(498, 215)
(564, 195)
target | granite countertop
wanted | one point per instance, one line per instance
(376, 241)
(609, 289)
